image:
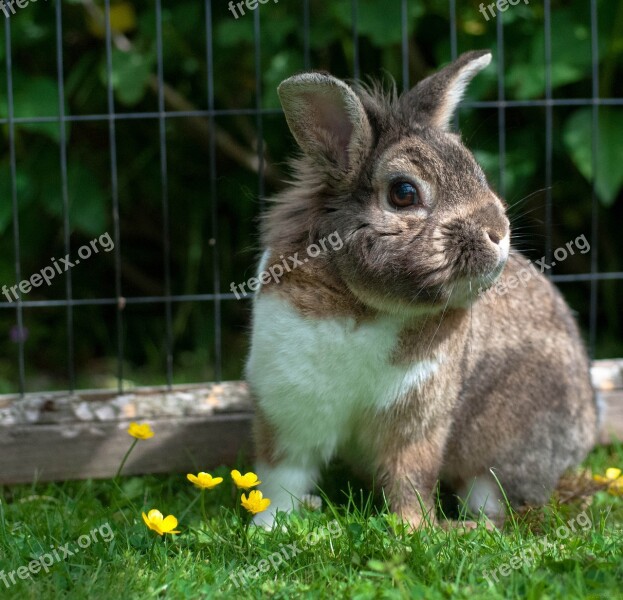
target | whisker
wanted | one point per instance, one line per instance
(516, 202)
(443, 312)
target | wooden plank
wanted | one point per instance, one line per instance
(50, 452)
(612, 418)
(59, 436)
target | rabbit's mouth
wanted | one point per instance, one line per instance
(477, 247)
(471, 276)
(465, 291)
(461, 291)
(469, 284)
(483, 269)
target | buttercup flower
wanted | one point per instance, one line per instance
(140, 432)
(205, 481)
(161, 525)
(246, 481)
(255, 503)
(614, 480)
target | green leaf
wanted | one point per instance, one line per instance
(131, 72)
(282, 65)
(34, 97)
(24, 196)
(278, 30)
(232, 32)
(571, 57)
(87, 200)
(380, 21)
(577, 137)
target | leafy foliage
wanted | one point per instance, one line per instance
(518, 169)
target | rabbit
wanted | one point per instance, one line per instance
(385, 349)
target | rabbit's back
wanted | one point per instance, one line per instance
(526, 407)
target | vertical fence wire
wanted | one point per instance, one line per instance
(501, 107)
(259, 121)
(404, 45)
(355, 18)
(454, 43)
(549, 133)
(216, 277)
(164, 186)
(114, 190)
(19, 334)
(595, 166)
(62, 130)
(306, 40)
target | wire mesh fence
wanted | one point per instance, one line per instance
(121, 308)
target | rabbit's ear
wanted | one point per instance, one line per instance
(436, 97)
(326, 118)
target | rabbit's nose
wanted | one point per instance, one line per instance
(493, 237)
(501, 241)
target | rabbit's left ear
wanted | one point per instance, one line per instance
(327, 120)
(435, 98)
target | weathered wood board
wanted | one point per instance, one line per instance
(56, 436)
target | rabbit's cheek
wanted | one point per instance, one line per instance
(477, 245)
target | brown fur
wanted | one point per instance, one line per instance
(513, 392)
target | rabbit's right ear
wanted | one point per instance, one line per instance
(435, 98)
(327, 120)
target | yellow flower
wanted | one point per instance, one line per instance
(246, 481)
(156, 522)
(616, 487)
(122, 19)
(614, 480)
(205, 481)
(255, 503)
(140, 432)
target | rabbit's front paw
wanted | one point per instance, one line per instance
(264, 519)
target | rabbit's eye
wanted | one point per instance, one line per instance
(403, 194)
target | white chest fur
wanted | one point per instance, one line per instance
(315, 377)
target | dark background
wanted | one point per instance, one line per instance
(180, 191)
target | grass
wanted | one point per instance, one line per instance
(357, 549)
